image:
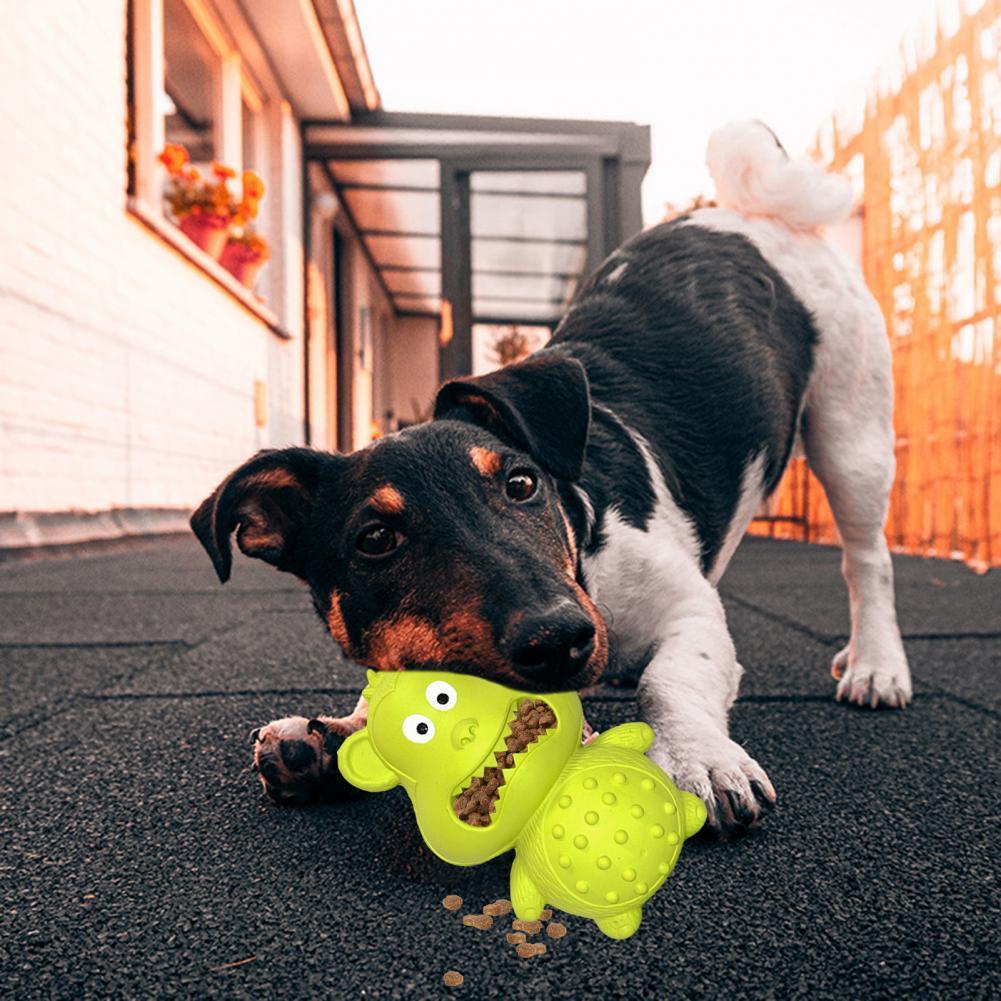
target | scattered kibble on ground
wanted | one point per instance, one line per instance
(529, 949)
(498, 908)
(518, 937)
(532, 927)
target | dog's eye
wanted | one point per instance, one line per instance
(377, 540)
(418, 729)
(521, 485)
(441, 695)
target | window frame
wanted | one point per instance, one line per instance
(146, 179)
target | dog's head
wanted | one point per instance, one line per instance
(445, 546)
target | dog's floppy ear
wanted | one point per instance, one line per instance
(267, 500)
(542, 405)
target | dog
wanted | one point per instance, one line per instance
(591, 496)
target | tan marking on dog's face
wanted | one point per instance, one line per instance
(409, 641)
(487, 462)
(571, 543)
(387, 500)
(599, 659)
(335, 623)
(397, 643)
(467, 636)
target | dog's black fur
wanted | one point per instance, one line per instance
(701, 347)
(686, 337)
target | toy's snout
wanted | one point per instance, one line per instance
(464, 733)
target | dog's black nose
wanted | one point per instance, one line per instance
(550, 646)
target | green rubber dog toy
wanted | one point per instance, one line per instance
(596, 829)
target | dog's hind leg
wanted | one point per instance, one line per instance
(848, 438)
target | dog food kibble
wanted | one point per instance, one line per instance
(476, 802)
(532, 927)
(556, 930)
(453, 978)
(528, 949)
(515, 937)
(498, 908)
(452, 902)
(546, 914)
(481, 921)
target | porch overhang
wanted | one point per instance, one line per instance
(499, 218)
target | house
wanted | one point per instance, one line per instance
(135, 369)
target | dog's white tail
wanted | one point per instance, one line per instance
(755, 176)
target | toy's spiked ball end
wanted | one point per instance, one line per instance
(695, 813)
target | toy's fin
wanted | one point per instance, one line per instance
(621, 925)
(695, 813)
(525, 896)
(635, 736)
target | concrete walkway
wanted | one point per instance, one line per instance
(139, 859)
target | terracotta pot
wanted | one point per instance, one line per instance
(209, 232)
(242, 262)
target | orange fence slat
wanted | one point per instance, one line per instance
(930, 148)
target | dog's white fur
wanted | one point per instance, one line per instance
(755, 177)
(650, 582)
(650, 585)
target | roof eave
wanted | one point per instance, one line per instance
(339, 22)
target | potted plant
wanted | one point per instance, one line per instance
(246, 251)
(203, 208)
(244, 255)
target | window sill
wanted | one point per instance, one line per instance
(171, 235)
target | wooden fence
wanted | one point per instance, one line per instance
(926, 157)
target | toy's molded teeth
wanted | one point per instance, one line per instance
(530, 723)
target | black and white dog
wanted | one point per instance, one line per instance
(616, 469)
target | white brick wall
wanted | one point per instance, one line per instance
(126, 374)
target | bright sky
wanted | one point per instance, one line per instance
(681, 66)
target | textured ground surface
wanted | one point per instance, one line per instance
(140, 860)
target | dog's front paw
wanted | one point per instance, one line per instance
(296, 758)
(872, 681)
(734, 787)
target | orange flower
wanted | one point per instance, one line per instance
(188, 193)
(174, 157)
(253, 186)
(248, 209)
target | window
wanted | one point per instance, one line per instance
(192, 73)
(189, 86)
(251, 131)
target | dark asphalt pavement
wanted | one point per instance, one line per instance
(138, 858)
